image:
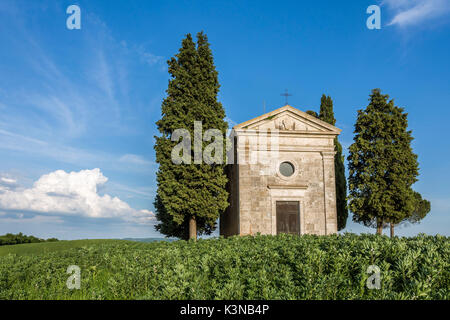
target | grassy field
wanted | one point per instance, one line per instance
(261, 267)
(46, 247)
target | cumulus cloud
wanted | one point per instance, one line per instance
(410, 12)
(74, 193)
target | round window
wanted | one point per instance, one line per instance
(287, 169)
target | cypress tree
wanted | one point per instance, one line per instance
(341, 187)
(326, 114)
(382, 165)
(190, 196)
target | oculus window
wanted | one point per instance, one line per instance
(287, 169)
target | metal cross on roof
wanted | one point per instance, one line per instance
(286, 95)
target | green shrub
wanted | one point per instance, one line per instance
(9, 239)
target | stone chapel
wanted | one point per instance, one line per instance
(282, 176)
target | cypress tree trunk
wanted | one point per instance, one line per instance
(392, 230)
(192, 229)
(379, 227)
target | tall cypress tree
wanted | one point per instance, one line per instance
(382, 165)
(326, 114)
(190, 196)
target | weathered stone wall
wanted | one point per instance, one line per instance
(257, 183)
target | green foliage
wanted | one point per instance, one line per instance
(382, 165)
(421, 209)
(10, 239)
(190, 190)
(261, 267)
(341, 187)
(52, 246)
(312, 113)
(327, 114)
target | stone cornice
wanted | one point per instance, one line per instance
(319, 149)
(284, 133)
(280, 186)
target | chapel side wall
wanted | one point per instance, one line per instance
(229, 220)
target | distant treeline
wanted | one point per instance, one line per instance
(19, 238)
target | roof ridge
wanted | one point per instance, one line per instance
(298, 112)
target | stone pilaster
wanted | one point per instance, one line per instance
(329, 190)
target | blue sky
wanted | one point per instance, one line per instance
(78, 107)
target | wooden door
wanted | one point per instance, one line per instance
(288, 217)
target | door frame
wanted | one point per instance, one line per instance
(287, 193)
(301, 212)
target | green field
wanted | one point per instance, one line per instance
(45, 247)
(261, 267)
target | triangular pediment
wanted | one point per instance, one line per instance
(288, 118)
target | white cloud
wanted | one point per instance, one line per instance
(148, 57)
(7, 184)
(74, 193)
(63, 102)
(8, 180)
(411, 12)
(36, 147)
(143, 55)
(37, 219)
(134, 159)
(141, 192)
(63, 99)
(32, 147)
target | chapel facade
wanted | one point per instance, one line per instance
(282, 177)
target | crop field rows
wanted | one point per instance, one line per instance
(259, 267)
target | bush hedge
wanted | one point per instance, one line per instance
(9, 239)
